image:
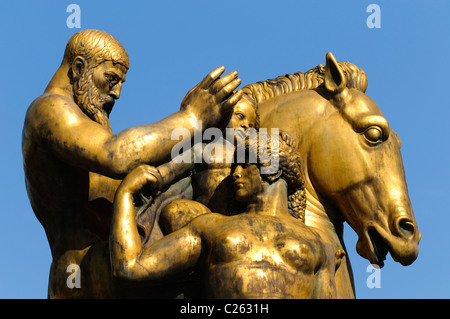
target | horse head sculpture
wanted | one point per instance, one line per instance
(351, 160)
(359, 168)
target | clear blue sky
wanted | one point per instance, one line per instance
(172, 45)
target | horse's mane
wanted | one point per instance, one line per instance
(312, 79)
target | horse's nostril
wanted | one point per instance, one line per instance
(406, 226)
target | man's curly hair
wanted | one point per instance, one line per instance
(281, 148)
(95, 46)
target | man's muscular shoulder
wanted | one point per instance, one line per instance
(52, 104)
(51, 112)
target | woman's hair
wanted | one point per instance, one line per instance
(281, 149)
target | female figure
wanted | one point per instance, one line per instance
(212, 182)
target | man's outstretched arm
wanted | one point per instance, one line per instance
(61, 126)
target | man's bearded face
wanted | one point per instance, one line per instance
(97, 89)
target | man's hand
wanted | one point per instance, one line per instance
(213, 99)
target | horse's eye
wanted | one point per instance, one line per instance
(374, 134)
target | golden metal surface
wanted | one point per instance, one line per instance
(73, 163)
(352, 162)
(229, 230)
(263, 252)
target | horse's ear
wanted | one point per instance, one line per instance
(335, 81)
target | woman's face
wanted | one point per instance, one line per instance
(244, 115)
(247, 182)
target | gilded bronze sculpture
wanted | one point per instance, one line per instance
(265, 252)
(211, 179)
(352, 162)
(73, 162)
(279, 235)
